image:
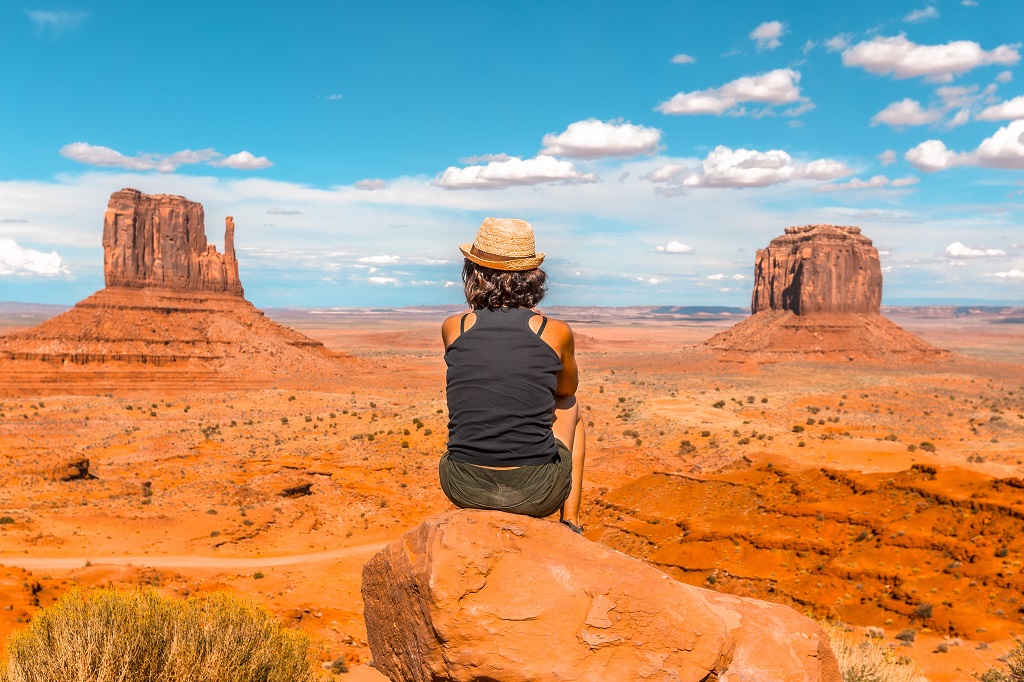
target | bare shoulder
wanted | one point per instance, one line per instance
(557, 334)
(559, 328)
(451, 326)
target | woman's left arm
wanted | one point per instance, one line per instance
(563, 342)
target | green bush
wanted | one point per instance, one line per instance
(136, 635)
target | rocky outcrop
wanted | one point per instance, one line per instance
(160, 241)
(476, 595)
(71, 470)
(817, 296)
(172, 313)
(818, 269)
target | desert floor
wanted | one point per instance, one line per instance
(889, 496)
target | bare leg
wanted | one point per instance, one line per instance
(568, 428)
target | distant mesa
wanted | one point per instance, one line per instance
(818, 294)
(172, 312)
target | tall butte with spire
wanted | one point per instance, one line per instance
(172, 312)
(159, 241)
(818, 295)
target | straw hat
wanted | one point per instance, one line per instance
(504, 244)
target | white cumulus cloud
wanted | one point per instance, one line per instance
(683, 59)
(906, 112)
(243, 161)
(1010, 109)
(1004, 149)
(902, 58)
(594, 139)
(18, 260)
(105, 157)
(381, 280)
(888, 157)
(371, 184)
(282, 211)
(512, 172)
(772, 88)
(838, 43)
(725, 167)
(958, 250)
(766, 36)
(919, 15)
(1004, 76)
(1013, 273)
(675, 247)
(716, 277)
(931, 156)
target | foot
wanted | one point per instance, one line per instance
(572, 526)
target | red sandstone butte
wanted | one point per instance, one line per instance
(818, 295)
(818, 269)
(160, 241)
(475, 595)
(172, 314)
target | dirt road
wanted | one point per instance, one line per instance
(31, 563)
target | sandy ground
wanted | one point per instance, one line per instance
(897, 503)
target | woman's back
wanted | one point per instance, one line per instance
(501, 383)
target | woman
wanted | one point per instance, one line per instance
(515, 435)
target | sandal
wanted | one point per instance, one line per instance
(572, 526)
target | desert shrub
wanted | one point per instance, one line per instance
(1015, 661)
(922, 611)
(868, 660)
(137, 635)
(907, 636)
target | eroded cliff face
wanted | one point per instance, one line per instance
(818, 269)
(160, 241)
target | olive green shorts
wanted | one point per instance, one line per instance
(537, 490)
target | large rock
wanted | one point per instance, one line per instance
(160, 241)
(818, 296)
(818, 269)
(172, 316)
(486, 596)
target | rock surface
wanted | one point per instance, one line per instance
(160, 241)
(475, 595)
(818, 269)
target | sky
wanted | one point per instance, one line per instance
(654, 146)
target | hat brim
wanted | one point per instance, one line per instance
(515, 264)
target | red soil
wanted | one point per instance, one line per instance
(833, 519)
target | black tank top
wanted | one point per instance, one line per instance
(501, 391)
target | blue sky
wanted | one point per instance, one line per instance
(654, 146)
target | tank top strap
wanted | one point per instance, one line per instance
(462, 324)
(543, 323)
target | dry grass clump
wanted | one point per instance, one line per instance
(111, 635)
(869, 660)
(1014, 660)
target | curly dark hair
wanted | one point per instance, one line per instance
(491, 289)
